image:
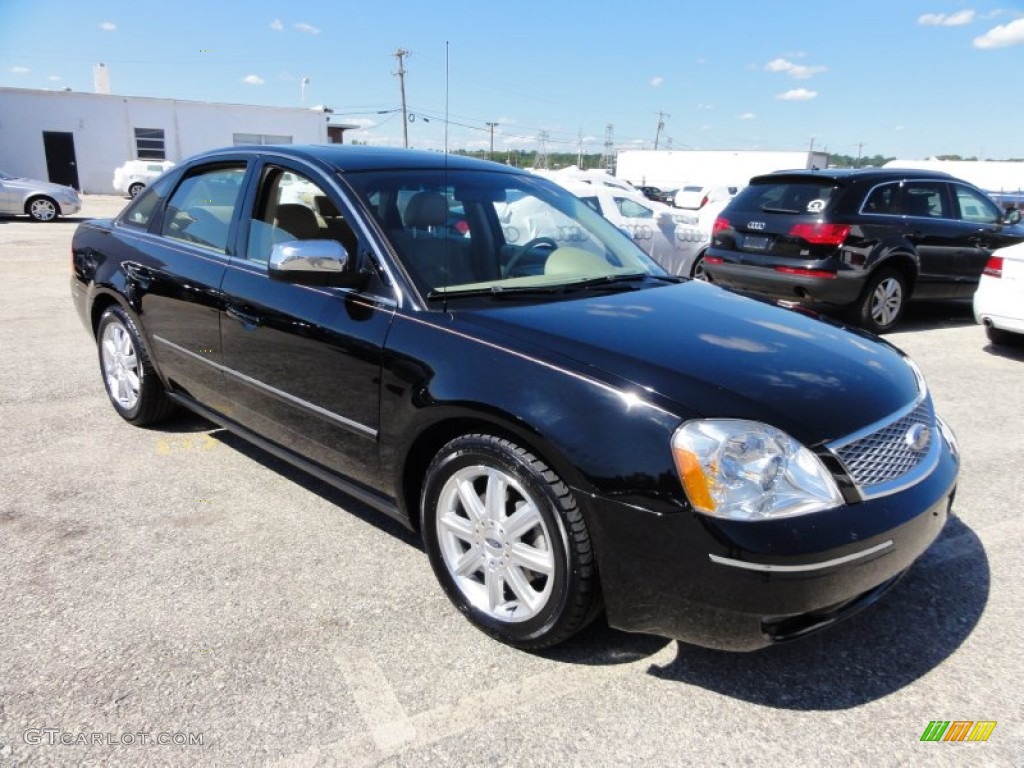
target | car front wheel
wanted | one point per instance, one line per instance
(883, 300)
(508, 542)
(135, 189)
(42, 209)
(135, 390)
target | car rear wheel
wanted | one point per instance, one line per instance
(698, 272)
(42, 209)
(135, 390)
(508, 542)
(135, 189)
(883, 300)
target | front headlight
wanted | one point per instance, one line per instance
(746, 470)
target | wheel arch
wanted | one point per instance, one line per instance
(413, 464)
(901, 259)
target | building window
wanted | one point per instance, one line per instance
(149, 144)
(260, 138)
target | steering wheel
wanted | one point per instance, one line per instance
(526, 248)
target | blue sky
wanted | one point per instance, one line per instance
(898, 78)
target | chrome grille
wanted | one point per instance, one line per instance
(885, 454)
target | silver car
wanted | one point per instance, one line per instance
(41, 200)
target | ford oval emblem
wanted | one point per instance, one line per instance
(758, 225)
(918, 437)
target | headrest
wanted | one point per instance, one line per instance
(298, 221)
(426, 209)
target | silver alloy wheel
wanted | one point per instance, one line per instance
(42, 210)
(495, 544)
(886, 301)
(121, 368)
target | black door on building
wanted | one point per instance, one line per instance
(61, 164)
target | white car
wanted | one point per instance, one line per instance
(674, 239)
(41, 200)
(999, 300)
(133, 176)
(695, 197)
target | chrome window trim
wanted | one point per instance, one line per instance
(353, 426)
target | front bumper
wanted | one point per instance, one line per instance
(69, 208)
(745, 585)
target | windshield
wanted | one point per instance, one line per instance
(5, 175)
(468, 232)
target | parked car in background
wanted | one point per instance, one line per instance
(40, 200)
(694, 197)
(569, 428)
(673, 239)
(870, 239)
(133, 176)
(657, 194)
(999, 300)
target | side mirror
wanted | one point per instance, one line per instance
(323, 263)
(1012, 216)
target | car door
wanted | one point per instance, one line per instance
(173, 259)
(983, 230)
(302, 364)
(929, 224)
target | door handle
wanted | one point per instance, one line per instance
(243, 317)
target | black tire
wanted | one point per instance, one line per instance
(132, 385)
(882, 303)
(497, 591)
(41, 208)
(135, 189)
(1003, 338)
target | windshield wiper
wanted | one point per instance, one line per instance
(773, 209)
(612, 282)
(496, 291)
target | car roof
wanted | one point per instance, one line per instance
(846, 175)
(345, 157)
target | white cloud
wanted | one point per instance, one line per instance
(20, 70)
(252, 80)
(1002, 36)
(277, 25)
(958, 19)
(799, 71)
(307, 28)
(747, 116)
(656, 81)
(704, 107)
(55, 78)
(798, 94)
(107, 26)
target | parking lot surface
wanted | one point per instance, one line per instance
(177, 585)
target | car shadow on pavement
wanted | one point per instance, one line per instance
(1009, 351)
(909, 632)
(346, 504)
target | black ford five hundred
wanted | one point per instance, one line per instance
(473, 350)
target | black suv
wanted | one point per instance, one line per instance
(867, 239)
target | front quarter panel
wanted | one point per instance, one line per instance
(440, 381)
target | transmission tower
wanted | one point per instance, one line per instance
(609, 147)
(400, 54)
(542, 153)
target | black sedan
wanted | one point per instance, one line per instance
(570, 429)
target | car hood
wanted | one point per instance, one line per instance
(34, 185)
(698, 350)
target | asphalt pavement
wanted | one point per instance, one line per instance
(173, 596)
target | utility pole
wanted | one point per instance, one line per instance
(860, 146)
(492, 126)
(400, 54)
(661, 126)
(579, 149)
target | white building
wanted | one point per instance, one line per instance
(79, 139)
(669, 169)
